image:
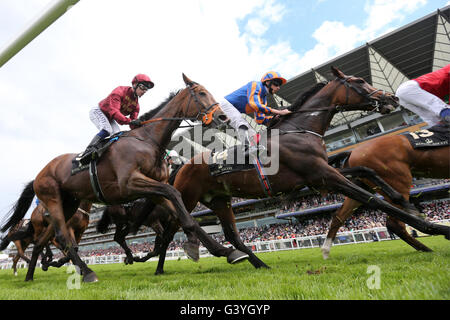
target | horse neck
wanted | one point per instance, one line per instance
(161, 131)
(315, 115)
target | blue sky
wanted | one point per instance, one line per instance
(48, 88)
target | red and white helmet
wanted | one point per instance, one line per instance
(143, 79)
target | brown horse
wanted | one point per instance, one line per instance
(37, 226)
(126, 219)
(129, 169)
(125, 216)
(396, 162)
(302, 160)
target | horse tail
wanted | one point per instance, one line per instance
(4, 243)
(104, 222)
(20, 208)
(22, 234)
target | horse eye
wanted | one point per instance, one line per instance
(203, 94)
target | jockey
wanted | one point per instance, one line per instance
(252, 98)
(426, 94)
(114, 109)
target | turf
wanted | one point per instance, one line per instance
(373, 271)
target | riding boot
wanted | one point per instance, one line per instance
(89, 153)
(249, 145)
(445, 116)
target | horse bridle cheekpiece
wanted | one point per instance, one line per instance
(208, 114)
(371, 101)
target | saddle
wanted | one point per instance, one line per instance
(436, 136)
(229, 160)
(82, 161)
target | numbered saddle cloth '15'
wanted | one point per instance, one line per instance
(437, 136)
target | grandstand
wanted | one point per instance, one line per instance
(415, 49)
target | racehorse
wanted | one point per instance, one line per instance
(124, 216)
(21, 244)
(302, 160)
(394, 160)
(131, 168)
(36, 227)
(126, 219)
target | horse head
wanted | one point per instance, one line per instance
(205, 108)
(356, 94)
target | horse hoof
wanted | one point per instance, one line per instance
(90, 277)
(325, 254)
(192, 251)
(44, 267)
(236, 256)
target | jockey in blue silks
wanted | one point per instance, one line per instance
(252, 98)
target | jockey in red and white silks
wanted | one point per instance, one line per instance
(116, 107)
(426, 96)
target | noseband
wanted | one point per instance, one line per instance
(371, 101)
(205, 114)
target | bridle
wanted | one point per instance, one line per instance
(205, 114)
(376, 102)
(370, 99)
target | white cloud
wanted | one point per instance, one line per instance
(335, 37)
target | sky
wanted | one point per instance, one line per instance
(48, 88)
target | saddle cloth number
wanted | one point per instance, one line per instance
(421, 134)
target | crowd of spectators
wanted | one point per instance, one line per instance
(366, 219)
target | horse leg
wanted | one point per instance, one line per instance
(21, 250)
(37, 249)
(167, 194)
(14, 266)
(222, 208)
(162, 253)
(121, 232)
(399, 229)
(47, 257)
(345, 211)
(340, 184)
(54, 204)
(395, 196)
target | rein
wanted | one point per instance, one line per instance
(341, 108)
(207, 115)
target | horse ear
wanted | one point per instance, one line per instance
(338, 73)
(187, 81)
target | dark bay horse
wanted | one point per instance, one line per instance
(126, 220)
(37, 226)
(302, 160)
(396, 162)
(130, 169)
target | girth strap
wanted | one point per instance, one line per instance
(262, 177)
(94, 181)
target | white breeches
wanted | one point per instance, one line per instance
(102, 122)
(421, 102)
(236, 119)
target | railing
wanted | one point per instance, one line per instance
(358, 236)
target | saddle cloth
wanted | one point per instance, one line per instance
(100, 148)
(229, 160)
(436, 136)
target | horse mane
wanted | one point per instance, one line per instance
(303, 97)
(150, 114)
